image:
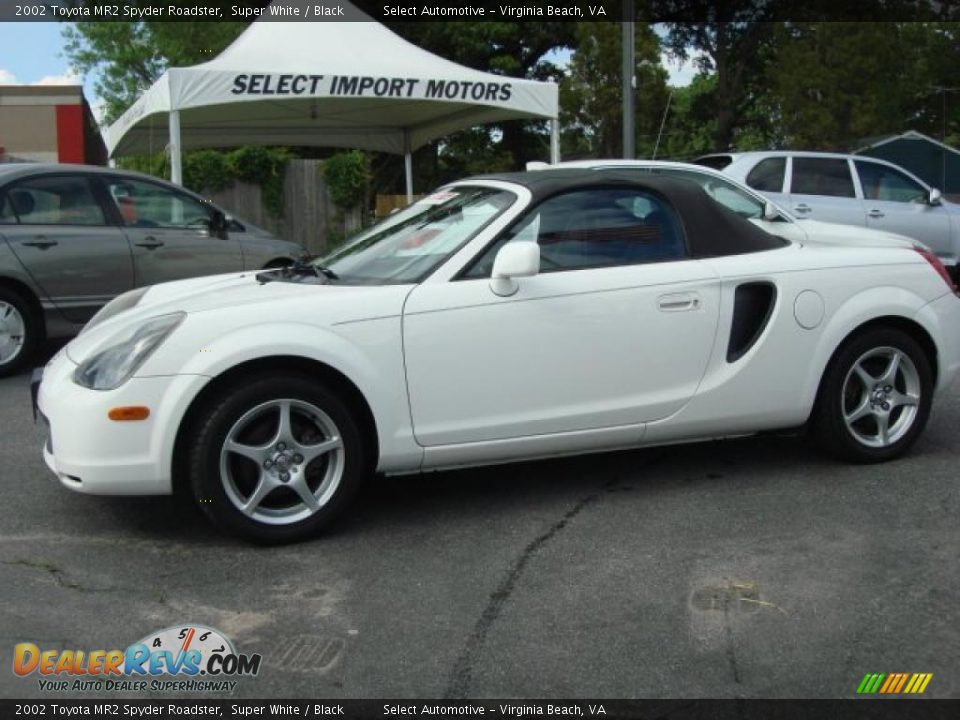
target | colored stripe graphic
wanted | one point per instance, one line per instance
(894, 683)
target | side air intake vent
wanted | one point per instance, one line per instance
(752, 305)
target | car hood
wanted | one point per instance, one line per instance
(235, 299)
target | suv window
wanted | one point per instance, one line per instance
(593, 229)
(55, 200)
(767, 175)
(822, 176)
(143, 204)
(880, 182)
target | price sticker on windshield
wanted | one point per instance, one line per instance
(439, 197)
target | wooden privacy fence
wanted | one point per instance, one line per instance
(309, 215)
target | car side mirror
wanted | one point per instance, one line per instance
(514, 260)
(934, 197)
(770, 211)
(218, 223)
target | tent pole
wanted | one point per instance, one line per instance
(554, 141)
(408, 165)
(408, 172)
(176, 167)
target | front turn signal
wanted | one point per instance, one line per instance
(130, 412)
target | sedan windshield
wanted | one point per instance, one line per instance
(409, 245)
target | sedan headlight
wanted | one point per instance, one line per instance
(112, 367)
(117, 305)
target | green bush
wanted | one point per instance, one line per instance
(213, 170)
(347, 175)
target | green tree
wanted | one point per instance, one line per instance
(735, 41)
(836, 84)
(128, 57)
(591, 97)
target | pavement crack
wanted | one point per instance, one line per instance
(731, 649)
(52, 569)
(460, 678)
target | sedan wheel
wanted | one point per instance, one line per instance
(875, 397)
(276, 460)
(18, 332)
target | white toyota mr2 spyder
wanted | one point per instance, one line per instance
(501, 318)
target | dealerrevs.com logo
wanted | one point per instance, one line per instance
(178, 658)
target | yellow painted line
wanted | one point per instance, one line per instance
(911, 684)
(887, 684)
(926, 681)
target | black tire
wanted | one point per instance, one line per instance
(218, 493)
(14, 305)
(838, 399)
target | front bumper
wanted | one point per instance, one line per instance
(92, 454)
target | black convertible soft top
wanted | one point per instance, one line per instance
(711, 229)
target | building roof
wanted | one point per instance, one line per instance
(908, 135)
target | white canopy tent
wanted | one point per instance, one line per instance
(336, 84)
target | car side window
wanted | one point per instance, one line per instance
(880, 182)
(593, 229)
(822, 176)
(143, 204)
(55, 200)
(6, 212)
(767, 175)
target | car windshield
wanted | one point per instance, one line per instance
(407, 246)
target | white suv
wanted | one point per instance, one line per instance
(849, 189)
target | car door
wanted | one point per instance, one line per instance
(615, 330)
(822, 188)
(169, 232)
(897, 203)
(64, 237)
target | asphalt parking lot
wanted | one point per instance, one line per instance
(749, 568)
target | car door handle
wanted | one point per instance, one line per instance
(41, 243)
(875, 213)
(150, 243)
(678, 302)
(802, 208)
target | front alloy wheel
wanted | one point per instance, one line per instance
(276, 460)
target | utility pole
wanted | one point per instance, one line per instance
(943, 132)
(629, 65)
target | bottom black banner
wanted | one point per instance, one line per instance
(501, 709)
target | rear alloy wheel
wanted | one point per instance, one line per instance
(876, 396)
(277, 460)
(18, 332)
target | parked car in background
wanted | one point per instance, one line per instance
(501, 318)
(850, 189)
(747, 203)
(74, 237)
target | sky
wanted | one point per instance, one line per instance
(32, 53)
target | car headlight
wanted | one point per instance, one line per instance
(115, 306)
(112, 367)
